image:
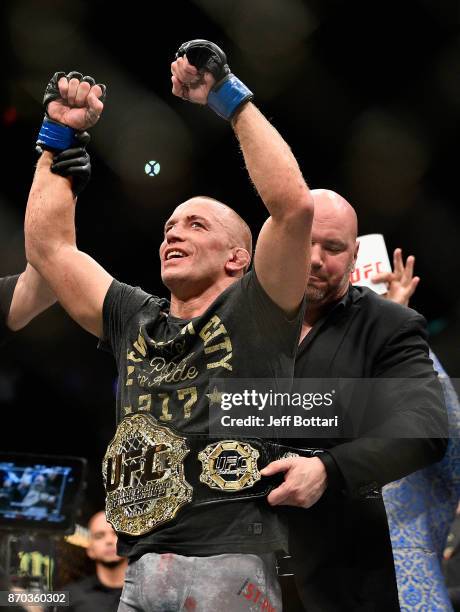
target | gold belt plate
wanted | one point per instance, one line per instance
(143, 471)
(229, 465)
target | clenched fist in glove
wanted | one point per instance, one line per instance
(72, 103)
(201, 74)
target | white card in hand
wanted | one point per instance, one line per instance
(372, 259)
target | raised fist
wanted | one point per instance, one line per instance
(74, 100)
(200, 74)
(189, 83)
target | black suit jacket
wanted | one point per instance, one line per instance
(341, 546)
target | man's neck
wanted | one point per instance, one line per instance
(313, 313)
(112, 577)
(195, 305)
(317, 310)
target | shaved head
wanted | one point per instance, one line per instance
(237, 228)
(206, 244)
(334, 247)
(330, 206)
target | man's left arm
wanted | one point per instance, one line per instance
(31, 297)
(409, 429)
(405, 354)
(412, 433)
(282, 256)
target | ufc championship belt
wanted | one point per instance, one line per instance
(150, 472)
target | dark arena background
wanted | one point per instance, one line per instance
(366, 93)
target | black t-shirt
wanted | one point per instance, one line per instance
(165, 365)
(7, 287)
(90, 595)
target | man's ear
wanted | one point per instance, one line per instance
(238, 262)
(355, 255)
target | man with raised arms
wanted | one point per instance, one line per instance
(190, 512)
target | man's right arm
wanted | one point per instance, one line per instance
(78, 281)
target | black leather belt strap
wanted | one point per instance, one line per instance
(222, 463)
(151, 471)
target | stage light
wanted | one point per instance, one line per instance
(152, 168)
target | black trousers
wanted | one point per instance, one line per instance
(342, 557)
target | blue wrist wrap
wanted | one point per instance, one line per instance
(56, 136)
(228, 95)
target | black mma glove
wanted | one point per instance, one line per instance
(55, 136)
(74, 163)
(229, 93)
